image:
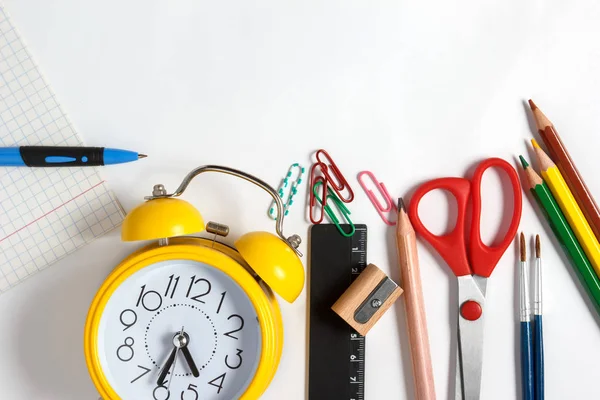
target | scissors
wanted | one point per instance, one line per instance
(472, 264)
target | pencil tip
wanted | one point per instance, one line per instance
(401, 206)
(535, 144)
(538, 249)
(142, 156)
(541, 121)
(522, 248)
(523, 162)
(532, 105)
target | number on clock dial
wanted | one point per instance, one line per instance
(218, 382)
(174, 286)
(239, 362)
(128, 318)
(151, 300)
(193, 282)
(170, 292)
(146, 370)
(161, 393)
(221, 302)
(125, 351)
(241, 323)
(191, 388)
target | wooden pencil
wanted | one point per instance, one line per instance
(565, 164)
(569, 207)
(415, 306)
(564, 234)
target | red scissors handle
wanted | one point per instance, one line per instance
(450, 246)
(484, 258)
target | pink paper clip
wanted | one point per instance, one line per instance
(389, 202)
(335, 172)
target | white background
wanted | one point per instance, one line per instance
(409, 90)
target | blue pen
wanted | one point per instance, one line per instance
(537, 315)
(58, 156)
(525, 318)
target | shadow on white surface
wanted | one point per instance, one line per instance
(49, 328)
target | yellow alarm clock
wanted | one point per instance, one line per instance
(189, 318)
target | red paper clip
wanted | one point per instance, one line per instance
(314, 178)
(389, 202)
(343, 183)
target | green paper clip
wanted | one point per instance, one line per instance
(331, 196)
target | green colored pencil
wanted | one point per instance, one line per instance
(564, 234)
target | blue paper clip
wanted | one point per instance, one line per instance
(293, 190)
(331, 197)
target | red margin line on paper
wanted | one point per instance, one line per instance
(51, 211)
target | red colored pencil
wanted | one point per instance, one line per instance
(566, 166)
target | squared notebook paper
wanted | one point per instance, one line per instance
(45, 213)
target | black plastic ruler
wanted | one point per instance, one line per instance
(336, 364)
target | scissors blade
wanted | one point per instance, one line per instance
(470, 340)
(458, 378)
(481, 282)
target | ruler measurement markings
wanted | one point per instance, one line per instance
(358, 258)
(335, 262)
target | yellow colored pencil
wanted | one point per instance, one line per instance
(569, 206)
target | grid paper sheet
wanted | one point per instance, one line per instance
(45, 213)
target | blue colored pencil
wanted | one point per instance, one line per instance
(527, 370)
(538, 336)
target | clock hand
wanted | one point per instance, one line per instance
(174, 365)
(171, 360)
(190, 361)
(167, 367)
(179, 341)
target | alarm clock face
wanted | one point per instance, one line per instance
(180, 330)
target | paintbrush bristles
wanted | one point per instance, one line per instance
(538, 249)
(523, 248)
